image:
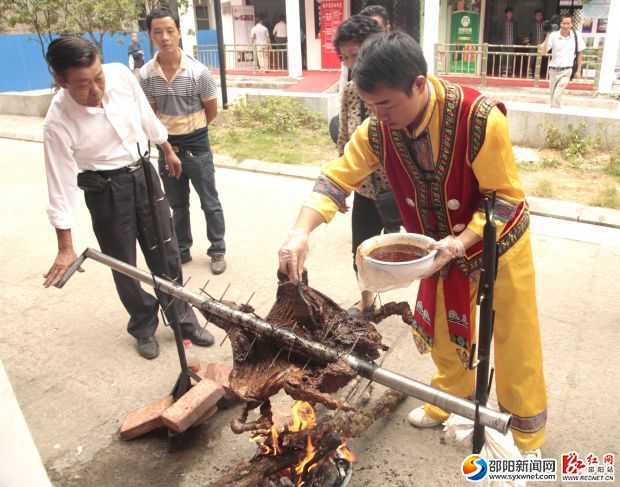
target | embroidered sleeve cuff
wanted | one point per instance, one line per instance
(504, 212)
(327, 187)
(321, 203)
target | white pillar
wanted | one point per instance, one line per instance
(293, 38)
(610, 51)
(187, 19)
(431, 32)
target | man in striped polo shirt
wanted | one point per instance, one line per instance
(182, 92)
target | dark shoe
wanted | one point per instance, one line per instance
(148, 347)
(201, 337)
(218, 264)
(186, 257)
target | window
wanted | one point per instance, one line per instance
(201, 8)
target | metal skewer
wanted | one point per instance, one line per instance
(485, 416)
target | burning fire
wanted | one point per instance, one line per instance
(302, 418)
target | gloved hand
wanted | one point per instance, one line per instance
(293, 253)
(447, 249)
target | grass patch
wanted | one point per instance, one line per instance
(607, 197)
(306, 147)
(543, 189)
(274, 129)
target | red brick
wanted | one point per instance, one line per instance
(192, 405)
(145, 419)
(205, 417)
(220, 372)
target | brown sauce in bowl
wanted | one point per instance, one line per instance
(398, 253)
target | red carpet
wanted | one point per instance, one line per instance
(315, 81)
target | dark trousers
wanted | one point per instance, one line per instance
(366, 222)
(200, 171)
(120, 216)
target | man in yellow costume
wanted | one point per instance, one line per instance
(444, 147)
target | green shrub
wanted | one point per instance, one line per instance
(573, 143)
(273, 114)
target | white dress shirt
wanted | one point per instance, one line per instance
(563, 49)
(82, 138)
(280, 30)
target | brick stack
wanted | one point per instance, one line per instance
(195, 407)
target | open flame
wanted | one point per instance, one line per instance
(310, 451)
(345, 453)
(302, 418)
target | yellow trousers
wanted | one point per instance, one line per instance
(519, 379)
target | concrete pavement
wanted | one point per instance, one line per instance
(31, 129)
(75, 370)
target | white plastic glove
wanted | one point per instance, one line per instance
(447, 249)
(292, 255)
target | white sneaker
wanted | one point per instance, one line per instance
(531, 454)
(419, 419)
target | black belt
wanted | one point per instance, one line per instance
(134, 166)
(567, 67)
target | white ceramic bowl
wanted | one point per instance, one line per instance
(378, 276)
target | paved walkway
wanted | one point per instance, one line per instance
(31, 129)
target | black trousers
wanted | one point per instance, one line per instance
(366, 222)
(120, 216)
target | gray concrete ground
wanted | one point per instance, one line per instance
(76, 373)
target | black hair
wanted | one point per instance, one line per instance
(160, 13)
(356, 29)
(509, 9)
(376, 11)
(68, 52)
(393, 58)
(566, 16)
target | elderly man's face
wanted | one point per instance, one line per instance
(85, 85)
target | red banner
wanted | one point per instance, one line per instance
(332, 13)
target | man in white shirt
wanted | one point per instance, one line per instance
(95, 124)
(280, 38)
(561, 44)
(260, 38)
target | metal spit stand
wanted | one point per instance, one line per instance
(488, 274)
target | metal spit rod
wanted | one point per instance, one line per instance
(488, 417)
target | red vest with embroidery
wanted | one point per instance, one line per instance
(441, 200)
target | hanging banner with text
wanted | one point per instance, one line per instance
(332, 13)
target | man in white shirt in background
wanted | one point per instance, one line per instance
(260, 38)
(95, 124)
(280, 38)
(561, 43)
